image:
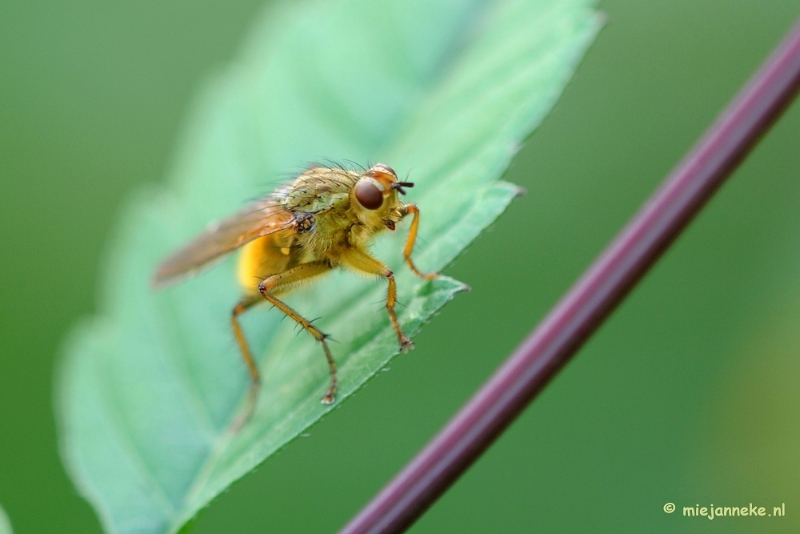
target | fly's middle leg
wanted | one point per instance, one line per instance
(363, 262)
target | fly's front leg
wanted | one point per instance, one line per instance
(284, 281)
(363, 262)
(412, 237)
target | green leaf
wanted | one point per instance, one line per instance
(447, 91)
(5, 524)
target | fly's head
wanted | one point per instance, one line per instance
(375, 197)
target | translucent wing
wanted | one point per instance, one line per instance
(256, 220)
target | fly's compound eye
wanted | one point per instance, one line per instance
(368, 195)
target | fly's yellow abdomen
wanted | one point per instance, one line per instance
(265, 256)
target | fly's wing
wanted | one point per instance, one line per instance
(256, 220)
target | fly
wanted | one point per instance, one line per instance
(323, 220)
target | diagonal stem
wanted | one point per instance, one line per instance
(602, 287)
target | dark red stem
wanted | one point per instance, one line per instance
(591, 299)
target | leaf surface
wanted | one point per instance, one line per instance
(5, 524)
(445, 91)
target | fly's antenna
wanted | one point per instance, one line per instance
(400, 185)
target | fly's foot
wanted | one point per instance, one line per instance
(406, 344)
(329, 397)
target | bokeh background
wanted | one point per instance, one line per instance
(688, 395)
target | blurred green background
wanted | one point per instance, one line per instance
(689, 394)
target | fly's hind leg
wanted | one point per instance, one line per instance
(284, 281)
(255, 379)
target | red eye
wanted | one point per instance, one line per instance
(368, 195)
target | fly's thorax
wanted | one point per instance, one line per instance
(320, 190)
(341, 208)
